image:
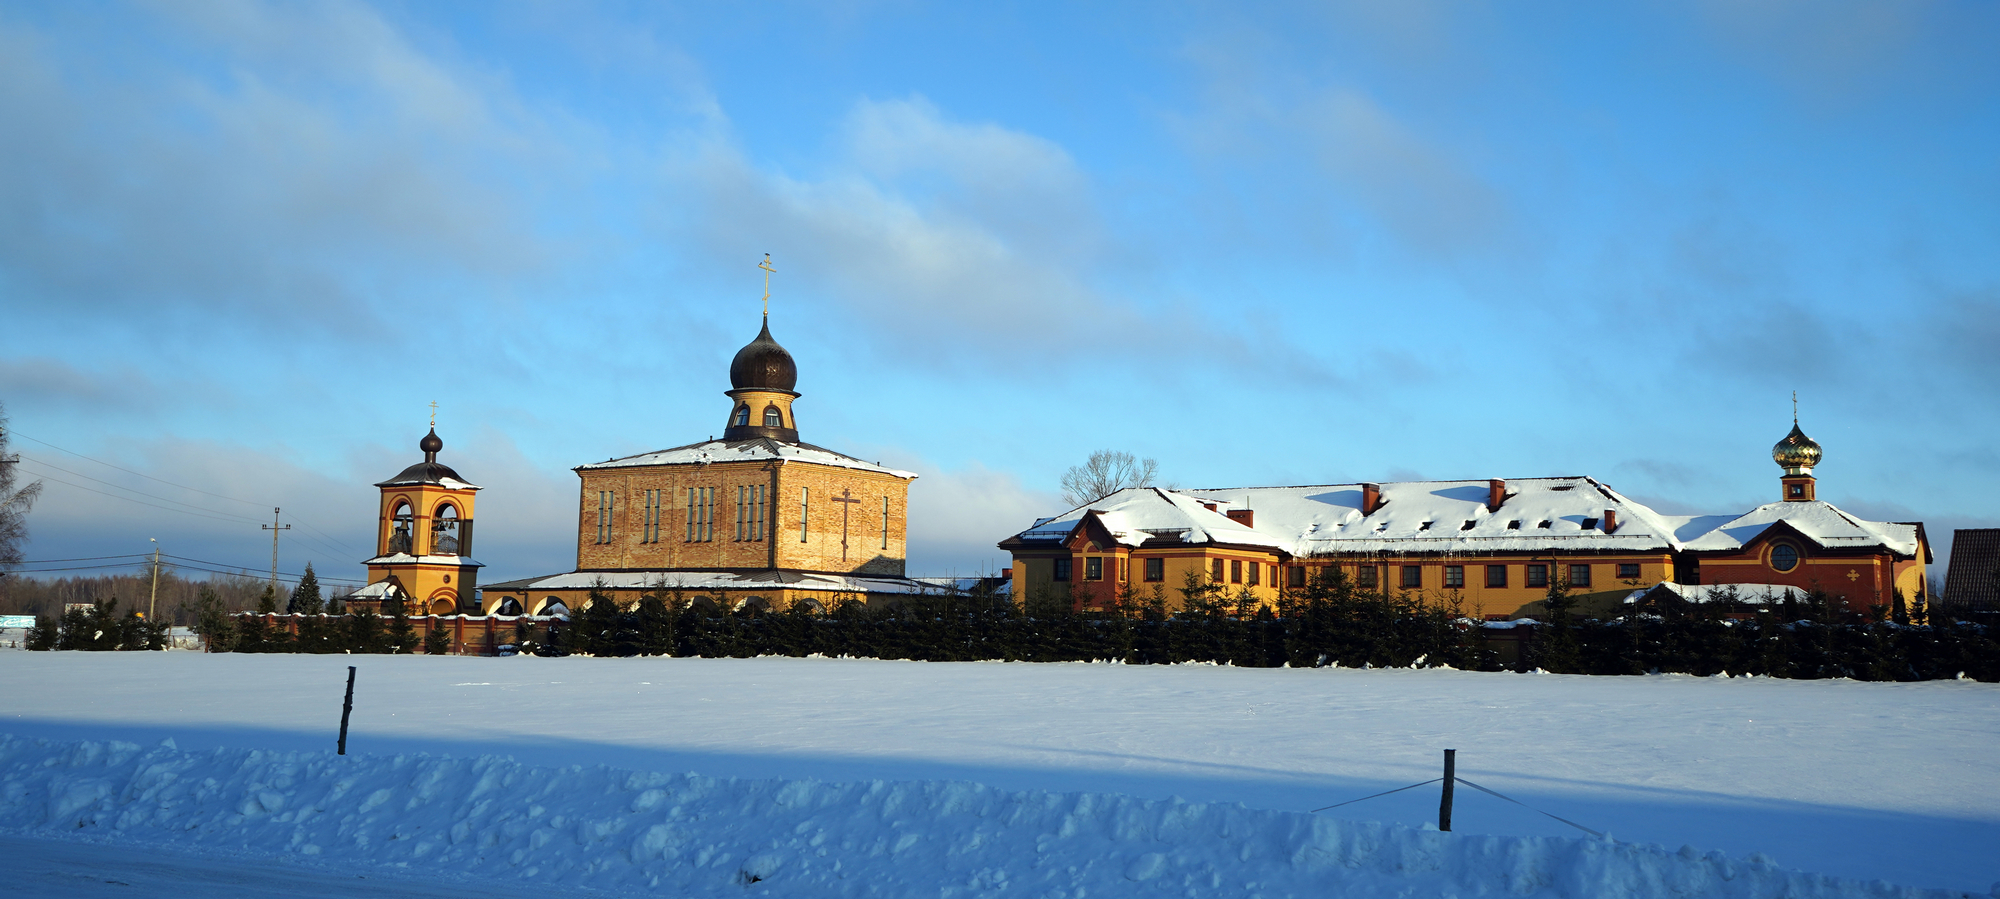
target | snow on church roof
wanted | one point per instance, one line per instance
(753, 450)
(1559, 514)
(1817, 521)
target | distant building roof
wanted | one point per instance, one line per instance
(756, 449)
(1974, 577)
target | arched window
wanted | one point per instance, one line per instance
(742, 415)
(773, 418)
(508, 606)
(399, 536)
(553, 607)
(444, 531)
(1784, 557)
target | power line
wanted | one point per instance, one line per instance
(128, 489)
(131, 500)
(84, 558)
(294, 575)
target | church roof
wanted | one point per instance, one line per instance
(1974, 577)
(763, 365)
(429, 473)
(1817, 521)
(771, 579)
(1558, 514)
(752, 450)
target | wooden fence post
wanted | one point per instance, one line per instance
(1450, 778)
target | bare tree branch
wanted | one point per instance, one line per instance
(14, 504)
(1105, 473)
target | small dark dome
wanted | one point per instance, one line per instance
(431, 443)
(763, 364)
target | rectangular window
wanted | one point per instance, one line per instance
(1496, 575)
(689, 536)
(1413, 576)
(805, 507)
(1298, 576)
(1215, 571)
(759, 514)
(1062, 568)
(742, 513)
(604, 507)
(1236, 571)
(885, 522)
(1628, 571)
(1364, 577)
(1454, 576)
(1093, 568)
(1255, 574)
(652, 532)
(1538, 575)
(1156, 570)
(1579, 576)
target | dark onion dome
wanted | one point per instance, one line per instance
(1796, 452)
(763, 365)
(429, 471)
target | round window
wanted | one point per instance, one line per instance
(1784, 557)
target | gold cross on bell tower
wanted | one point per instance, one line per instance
(766, 266)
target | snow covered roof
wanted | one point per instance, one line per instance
(407, 559)
(1557, 514)
(375, 591)
(1137, 514)
(1817, 521)
(716, 580)
(753, 450)
(429, 473)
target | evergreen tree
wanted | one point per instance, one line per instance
(437, 639)
(213, 622)
(268, 603)
(1556, 649)
(401, 638)
(305, 598)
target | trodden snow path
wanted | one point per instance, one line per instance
(1872, 781)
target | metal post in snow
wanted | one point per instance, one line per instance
(347, 708)
(1450, 778)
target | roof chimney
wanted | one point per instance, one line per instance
(1611, 521)
(1371, 498)
(1244, 517)
(1496, 493)
(1209, 506)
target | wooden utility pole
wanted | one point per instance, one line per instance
(154, 599)
(274, 529)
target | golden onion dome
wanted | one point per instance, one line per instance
(1797, 453)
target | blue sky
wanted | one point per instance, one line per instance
(243, 245)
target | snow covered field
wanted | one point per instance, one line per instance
(1896, 782)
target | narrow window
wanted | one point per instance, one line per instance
(1413, 576)
(707, 514)
(1628, 571)
(1538, 575)
(690, 522)
(1496, 575)
(772, 418)
(1062, 568)
(757, 512)
(1579, 575)
(1215, 570)
(1236, 571)
(1156, 570)
(805, 507)
(742, 513)
(885, 522)
(1365, 577)
(1255, 574)
(1093, 568)
(1454, 576)
(604, 506)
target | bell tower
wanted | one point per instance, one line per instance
(1797, 454)
(423, 539)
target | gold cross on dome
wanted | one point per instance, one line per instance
(768, 269)
(1795, 407)
(434, 415)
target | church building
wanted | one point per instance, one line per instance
(1493, 545)
(759, 518)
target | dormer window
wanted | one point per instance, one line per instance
(1544, 525)
(1424, 527)
(742, 415)
(1466, 526)
(1590, 524)
(1514, 525)
(772, 417)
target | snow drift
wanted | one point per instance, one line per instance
(690, 835)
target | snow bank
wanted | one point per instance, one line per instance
(690, 835)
